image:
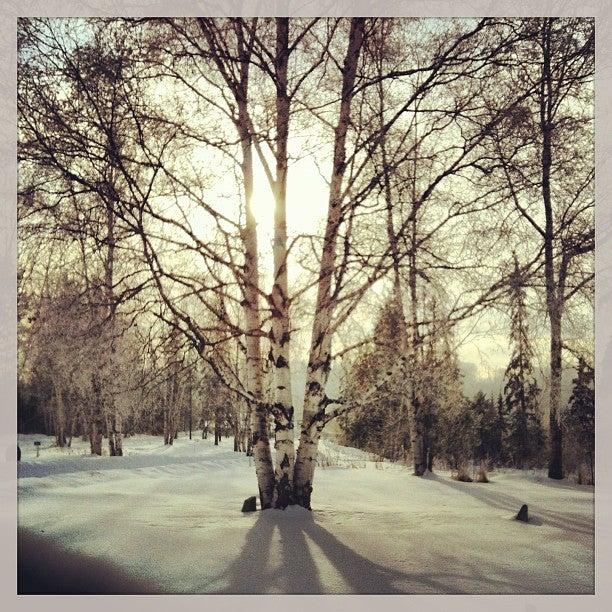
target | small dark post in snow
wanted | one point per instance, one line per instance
(18, 453)
(37, 445)
(250, 504)
(523, 514)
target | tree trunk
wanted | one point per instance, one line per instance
(190, 402)
(95, 439)
(95, 417)
(319, 362)
(247, 431)
(555, 466)
(60, 417)
(553, 301)
(260, 441)
(118, 434)
(430, 458)
(407, 344)
(280, 333)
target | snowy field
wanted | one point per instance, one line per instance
(167, 519)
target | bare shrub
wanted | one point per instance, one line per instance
(481, 474)
(462, 474)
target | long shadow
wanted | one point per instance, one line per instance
(559, 484)
(502, 501)
(298, 573)
(250, 572)
(358, 572)
(46, 568)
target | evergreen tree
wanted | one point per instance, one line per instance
(486, 443)
(580, 418)
(521, 392)
(498, 433)
(441, 396)
(379, 427)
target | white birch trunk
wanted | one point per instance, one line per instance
(260, 441)
(281, 332)
(319, 362)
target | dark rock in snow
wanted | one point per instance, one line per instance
(523, 514)
(250, 504)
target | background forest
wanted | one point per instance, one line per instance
(277, 228)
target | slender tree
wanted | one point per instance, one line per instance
(521, 391)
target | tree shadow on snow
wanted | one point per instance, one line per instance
(294, 571)
(488, 494)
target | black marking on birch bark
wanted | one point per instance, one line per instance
(323, 364)
(284, 493)
(313, 387)
(281, 362)
(281, 387)
(271, 356)
(317, 417)
(285, 338)
(285, 462)
(303, 497)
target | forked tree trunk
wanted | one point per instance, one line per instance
(319, 362)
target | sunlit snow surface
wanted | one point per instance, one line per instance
(167, 519)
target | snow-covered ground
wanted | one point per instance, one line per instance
(168, 519)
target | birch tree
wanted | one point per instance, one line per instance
(187, 111)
